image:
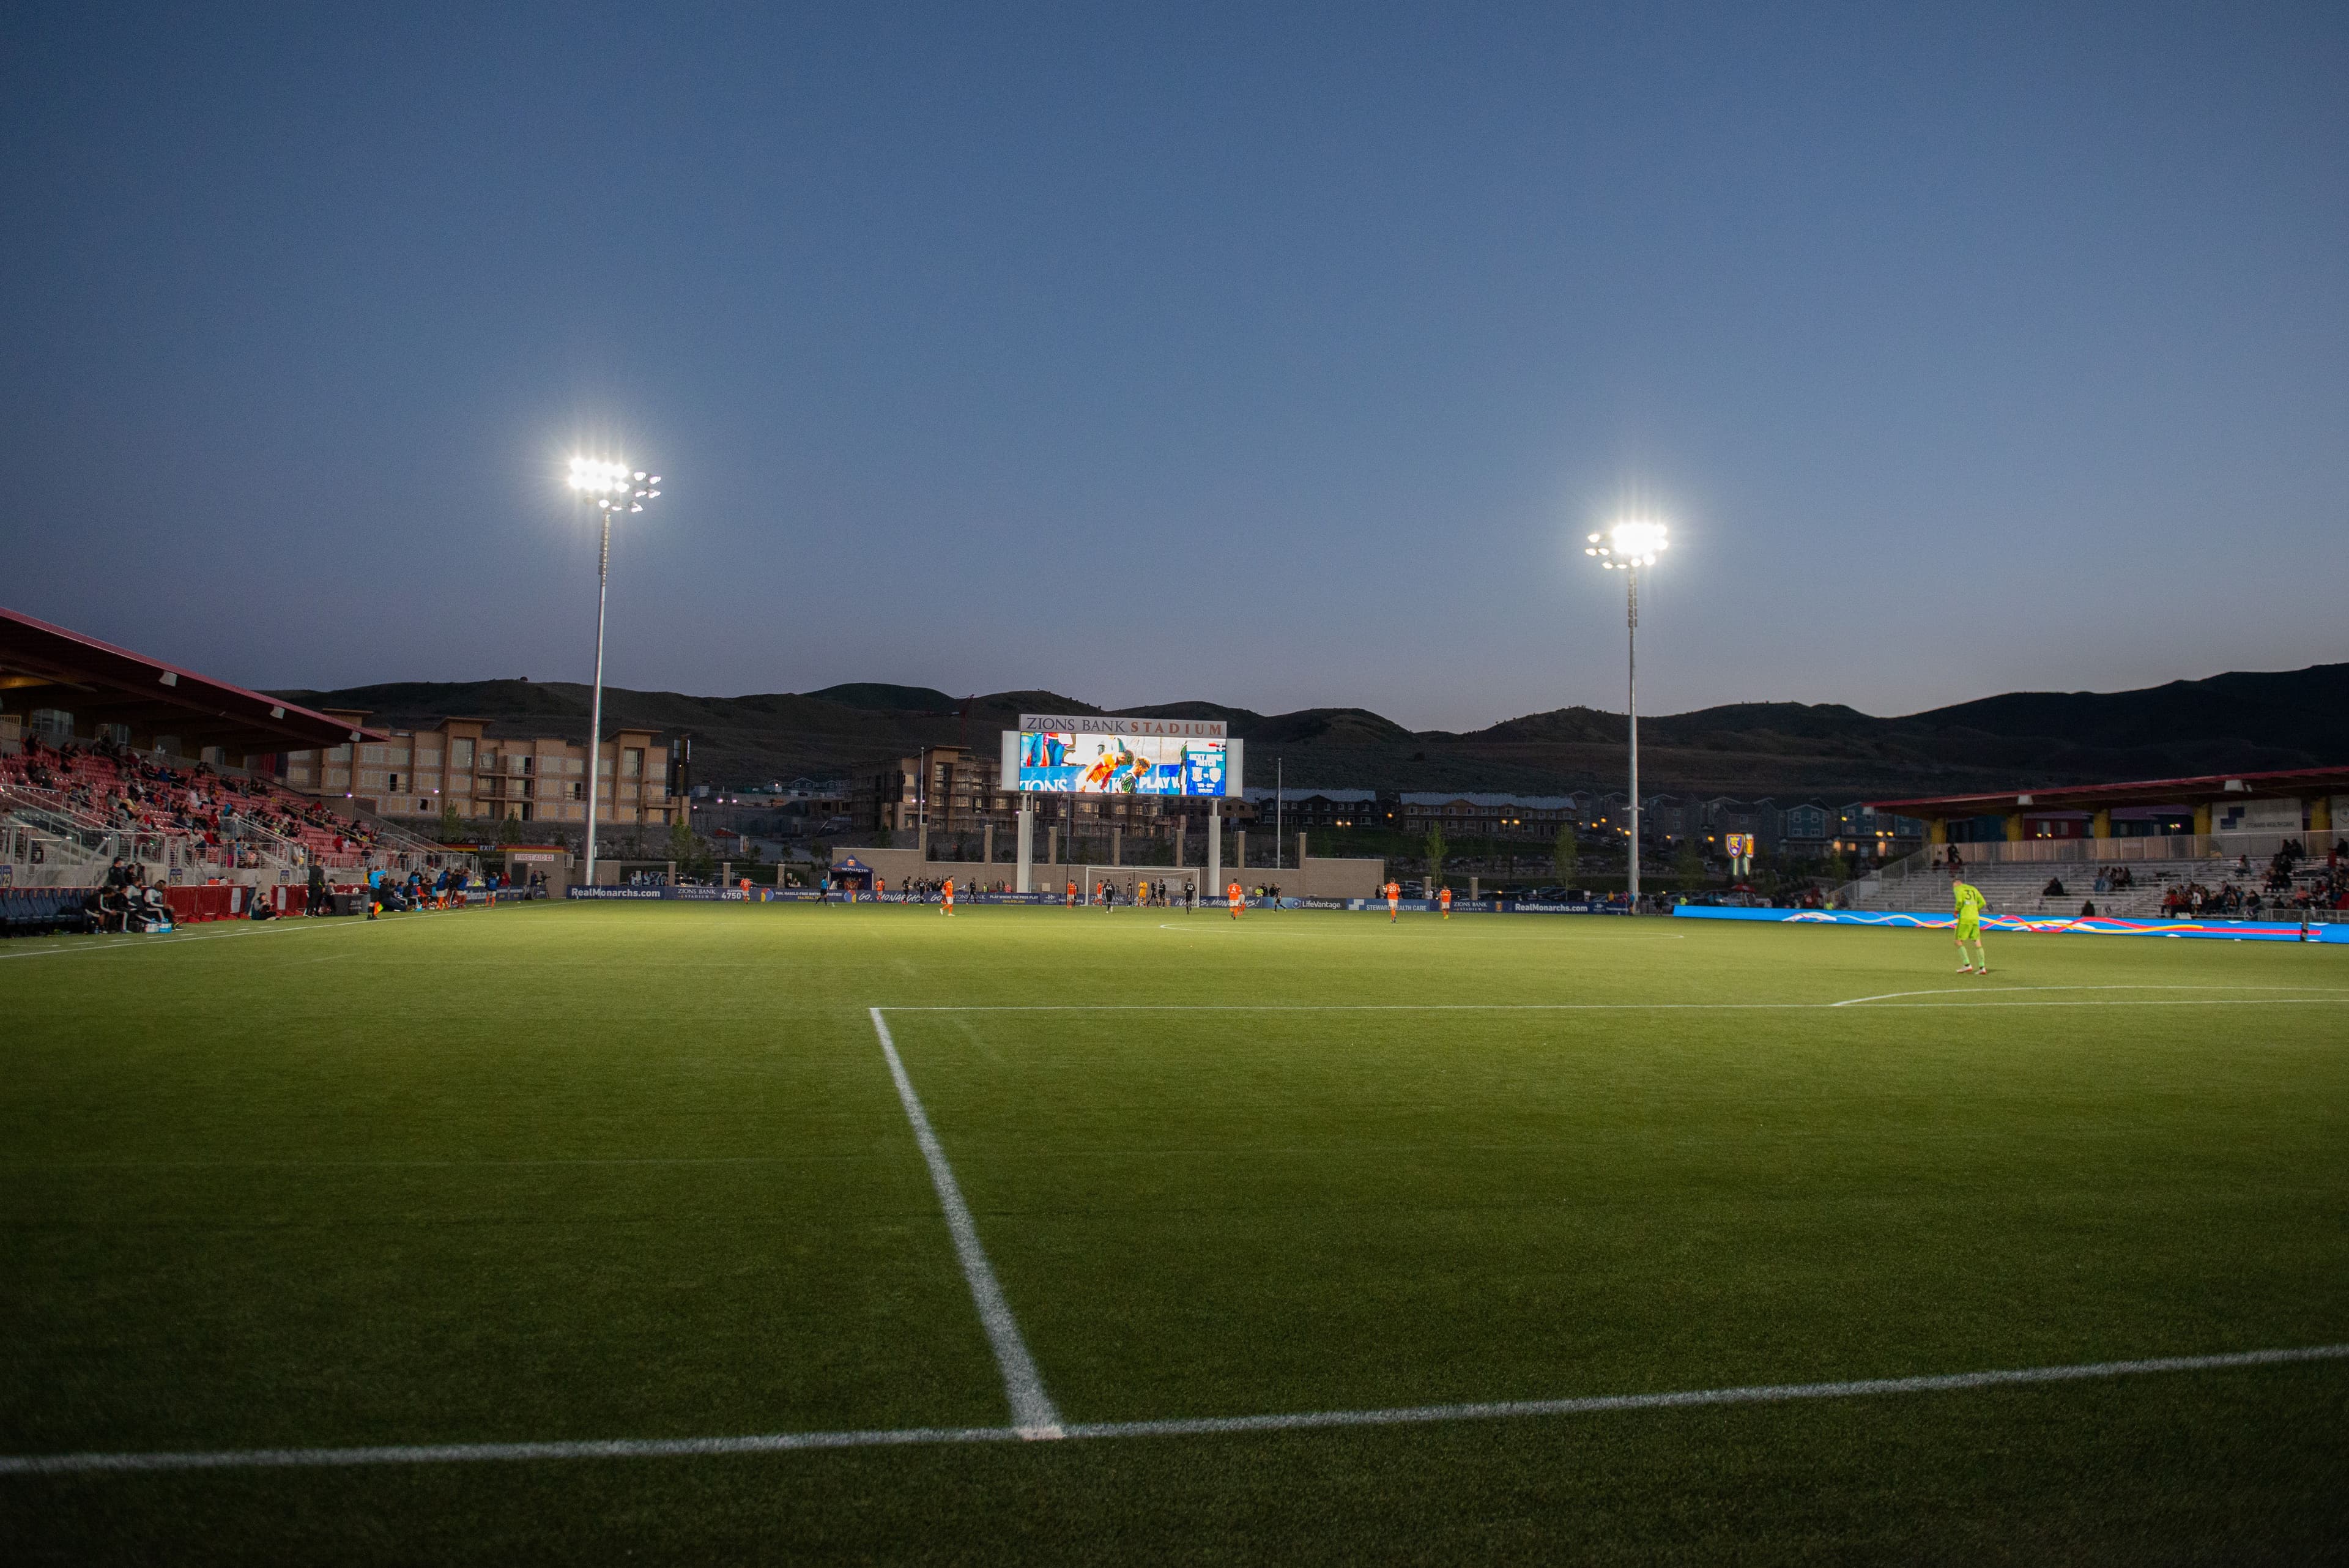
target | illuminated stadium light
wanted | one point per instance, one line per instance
(1628, 544)
(608, 487)
(1625, 547)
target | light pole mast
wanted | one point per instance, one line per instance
(1632, 663)
(609, 487)
(595, 703)
(1628, 547)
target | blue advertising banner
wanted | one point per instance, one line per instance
(2042, 924)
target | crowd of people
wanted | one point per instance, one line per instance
(212, 812)
(2288, 883)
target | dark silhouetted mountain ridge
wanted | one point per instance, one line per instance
(2244, 721)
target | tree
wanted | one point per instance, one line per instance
(453, 826)
(1566, 855)
(1435, 847)
(881, 839)
(510, 830)
(680, 842)
(1691, 866)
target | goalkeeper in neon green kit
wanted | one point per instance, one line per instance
(1971, 904)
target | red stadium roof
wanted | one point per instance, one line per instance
(44, 666)
(2143, 792)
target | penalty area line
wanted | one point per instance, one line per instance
(1180, 1426)
(1032, 1414)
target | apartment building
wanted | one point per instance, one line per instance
(461, 763)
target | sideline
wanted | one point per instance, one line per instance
(83, 947)
(2322, 994)
(1199, 1426)
(1349, 935)
(1977, 991)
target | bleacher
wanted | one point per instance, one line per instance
(64, 814)
(2020, 888)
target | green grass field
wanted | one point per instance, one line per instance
(636, 1172)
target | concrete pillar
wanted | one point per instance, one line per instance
(1025, 879)
(1472, 889)
(2014, 827)
(987, 842)
(1051, 846)
(672, 873)
(1239, 852)
(1117, 846)
(1178, 829)
(2100, 824)
(726, 873)
(1301, 852)
(1215, 852)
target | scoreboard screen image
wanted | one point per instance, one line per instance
(1099, 754)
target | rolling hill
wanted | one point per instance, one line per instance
(2239, 720)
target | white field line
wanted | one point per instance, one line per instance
(116, 944)
(241, 927)
(1201, 1426)
(2007, 990)
(2322, 996)
(1231, 926)
(1032, 1414)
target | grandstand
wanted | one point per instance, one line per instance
(2275, 833)
(109, 754)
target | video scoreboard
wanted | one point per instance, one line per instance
(1099, 754)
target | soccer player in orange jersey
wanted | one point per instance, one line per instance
(1394, 902)
(1071, 901)
(1444, 898)
(1233, 893)
(947, 892)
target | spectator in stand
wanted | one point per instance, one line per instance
(2054, 889)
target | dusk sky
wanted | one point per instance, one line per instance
(1272, 355)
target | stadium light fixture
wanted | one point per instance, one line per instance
(609, 487)
(1625, 547)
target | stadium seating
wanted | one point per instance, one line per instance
(2020, 888)
(41, 912)
(79, 807)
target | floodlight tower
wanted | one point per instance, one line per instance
(1626, 548)
(609, 487)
